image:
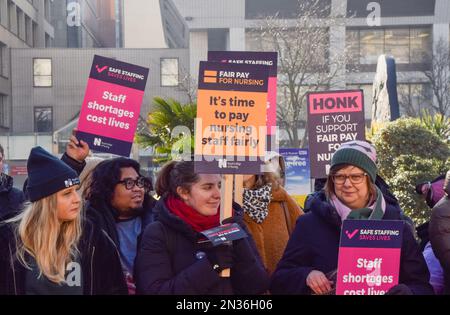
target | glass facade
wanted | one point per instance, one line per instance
(287, 9)
(412, 98)
(2, 60)
(358, 8)
(3, 111)
(408, 45)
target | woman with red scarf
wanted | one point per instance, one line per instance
(175, 258)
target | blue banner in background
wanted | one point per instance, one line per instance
(298, 174)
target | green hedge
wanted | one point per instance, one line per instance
(408, 153)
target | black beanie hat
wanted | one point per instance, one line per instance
(47, 174)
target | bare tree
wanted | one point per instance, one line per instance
(188, 85)
(439, 76)
(305, 64)
(413, 99)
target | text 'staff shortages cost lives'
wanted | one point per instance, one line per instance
(111, 106)
(369, 256)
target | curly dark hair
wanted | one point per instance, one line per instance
(105, 177)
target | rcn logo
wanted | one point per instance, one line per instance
(97, 142)
(222, 163)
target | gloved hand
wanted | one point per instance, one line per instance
(220, 257)
(400, 289)
(234, 219)
(243, 251)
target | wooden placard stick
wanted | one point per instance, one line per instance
(226, 206)
(238, 189)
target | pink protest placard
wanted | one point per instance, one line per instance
(111, 106)
(369, 257)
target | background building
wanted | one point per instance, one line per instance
(153, 24)
(87, 23)
(44, 68)
(23, 24)
(409, 30)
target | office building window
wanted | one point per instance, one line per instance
(3, 111)
(396, 43)
(42, 72)
(43, 119)
(35, 34)
(408, 45)
(420, 41)
(1, 58)
(48, 41)
(169, 72)
(11, 10)
(28, 30)
(371, 46)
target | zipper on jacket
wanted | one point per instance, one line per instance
(92, 270)
(115, 247)
(117, 252)
(12, 268)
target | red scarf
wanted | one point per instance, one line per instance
(197, 221)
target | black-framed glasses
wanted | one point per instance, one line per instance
(141, 182)
(354, 178)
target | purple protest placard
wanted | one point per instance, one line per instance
(224, 233)
(369, 256)
(334, 117)
(111, 106)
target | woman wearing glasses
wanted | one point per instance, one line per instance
(349, 193)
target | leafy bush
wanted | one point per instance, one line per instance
(408, 153)
(437, 124)
(164, 133)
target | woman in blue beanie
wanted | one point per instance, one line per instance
(310, 260)
(48, 248)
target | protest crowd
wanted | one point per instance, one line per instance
(82, 225)
(116, 238)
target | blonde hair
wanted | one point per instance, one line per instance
(52, 243)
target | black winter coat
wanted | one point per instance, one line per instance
(102, 272)
(167, 263)
(314, 245)
(104, 219)
(11, 199)
(439, 233)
